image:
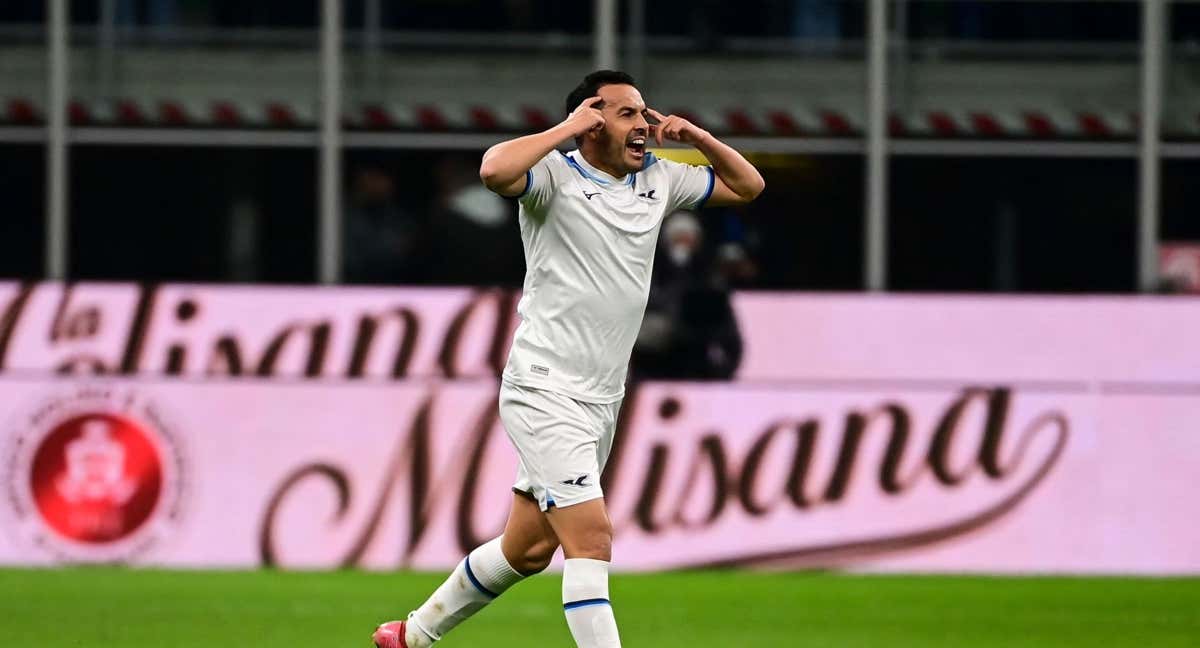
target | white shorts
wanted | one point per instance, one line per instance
(562, 443)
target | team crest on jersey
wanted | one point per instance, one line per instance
(94, 474)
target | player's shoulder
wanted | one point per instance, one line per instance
(556, 163)
(548, 172)
(657, 165)
(555, 156)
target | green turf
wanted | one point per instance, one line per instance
(117, 608)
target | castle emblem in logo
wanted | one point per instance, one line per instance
(94, 476)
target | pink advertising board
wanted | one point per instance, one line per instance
(238, 427)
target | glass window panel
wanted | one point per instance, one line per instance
(806, 230)
(1013, 224)
(193, 214)
(423, 217)
(462, 65)
(1181, 104)
(760, 67)
(22, 153)
(770, 69)
(1180, 201)
(1013, 69)
(195, 63)
(22, 64)
(22, 228)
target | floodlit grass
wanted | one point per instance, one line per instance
(113, 607)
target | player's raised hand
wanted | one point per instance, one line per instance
(675, 128)
(586, 117)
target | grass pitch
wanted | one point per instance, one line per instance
(118, 608)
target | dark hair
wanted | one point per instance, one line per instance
(591, 85)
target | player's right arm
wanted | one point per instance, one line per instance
(505, 167)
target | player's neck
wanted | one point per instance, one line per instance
(593, 160)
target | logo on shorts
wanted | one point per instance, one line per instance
(93, 476)
(540, 370)
(579, 481)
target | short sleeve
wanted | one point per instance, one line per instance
(539, 184)
(690, 185)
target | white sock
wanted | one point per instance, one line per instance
(585, 601)
(482, 576)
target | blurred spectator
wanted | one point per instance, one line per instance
(689, 331)
(736, 267)
(735, 264)
(476, 239)
(382, 243)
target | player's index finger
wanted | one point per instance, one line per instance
(655, 114)
(591, 102)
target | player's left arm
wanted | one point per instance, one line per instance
(736, 181)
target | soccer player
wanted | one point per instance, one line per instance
(589, 221)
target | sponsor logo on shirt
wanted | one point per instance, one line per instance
(648, 195)
(589, 195)
(540, 370)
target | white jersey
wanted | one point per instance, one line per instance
(589, 249)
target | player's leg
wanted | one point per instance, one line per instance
(581, 523)
(529, 540)
(586, 535)
(487, 571)
(525, 548)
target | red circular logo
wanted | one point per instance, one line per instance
(97, 478)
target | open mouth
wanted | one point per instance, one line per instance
(636, 147)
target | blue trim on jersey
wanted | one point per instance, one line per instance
(475, 581)
(712, 179)
(549, 502)
(584, 172)
(585, 603)
(528, 184)
(649, 161)
(593, 177)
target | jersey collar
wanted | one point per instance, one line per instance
(576, 160)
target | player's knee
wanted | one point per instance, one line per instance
(594, 542)
(536, 557)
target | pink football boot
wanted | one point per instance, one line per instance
(390, 635)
